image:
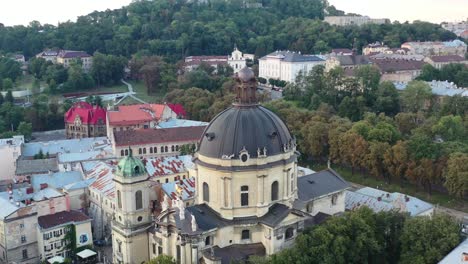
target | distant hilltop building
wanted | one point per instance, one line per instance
(286, 65)
(65, 57)
(237, 60)
(428, 48)
(459, 28)
(354, 20)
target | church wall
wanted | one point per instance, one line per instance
(326, 206)
(133, 250)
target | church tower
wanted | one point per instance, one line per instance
(132, 212)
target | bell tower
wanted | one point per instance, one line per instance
(132, 212)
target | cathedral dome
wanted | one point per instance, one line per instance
(130, 167)
(250, 129)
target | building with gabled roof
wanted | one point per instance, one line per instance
(53, 233)
(66, 57)
(286, 65)
(430, 48)
(155, 142)
(439, 61)
(130, 117)
(84, 120)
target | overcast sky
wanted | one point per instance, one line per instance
(14, 12)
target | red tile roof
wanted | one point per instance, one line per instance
(136, 114)
(57, 219)
(161, 135)
(178, 109)
(447, 58)
(87, 113)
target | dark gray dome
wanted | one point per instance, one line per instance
(246, 74)
(252, 127)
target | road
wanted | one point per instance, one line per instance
(274, 94)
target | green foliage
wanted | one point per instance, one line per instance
(7, 84)
(107, 69)
(425, 240)
(9, 69)
(94, 100)
(416, 95)
(457, 73)
(9, 97)
(187, 149)
(450, 128)
(25, 129)
(456, 174)
(161, 259)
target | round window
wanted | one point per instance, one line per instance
(139, 218)
(244, 157)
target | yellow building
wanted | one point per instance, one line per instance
(247, 200)
(54, 230)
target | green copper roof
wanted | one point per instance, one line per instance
(130, 167)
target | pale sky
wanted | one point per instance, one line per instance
(14, 12)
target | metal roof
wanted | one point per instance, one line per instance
(56, 180)
(388, 201)
(173, 122)
(455, 256)
(66, 146)
(186, 187)
(163, 166)
(103, 174)
(318, 184)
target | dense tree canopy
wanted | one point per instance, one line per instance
(177, 28)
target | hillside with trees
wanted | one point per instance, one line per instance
(176, 28)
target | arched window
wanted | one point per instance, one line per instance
(144, 150)
(292, 182)
(166, 149)
(151, 150)
(126, 152)
(122, 152)
(119, 199)
(136, 170)
(274, 191)
(206, 192)
(162, 149)
(177, 147)
(140, 151)
(138, 200)
(289, 233)
(155, 149)
(172, 148)
(245, 195)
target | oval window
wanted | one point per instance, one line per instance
(244, 157)
(139, 218)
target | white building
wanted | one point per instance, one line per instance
(354, 20)
(237, 60)
(10, 150)
(428, 48)
(286, 65)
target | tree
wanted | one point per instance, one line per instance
(426, 240)
(9, 97)
(315, 139)
(450, 128)
(396, 160)
(7, 84)
(369, 77)
(456, 174)
(374, 159)
(2, 99)
(162, 259)
(388, 99)
(354, 148)
(25, 129)
(107, 69)
(429, 73)
(416, 95)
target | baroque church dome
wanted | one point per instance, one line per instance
(246, 127)
(130, 166)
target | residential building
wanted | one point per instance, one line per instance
(374, 48)
(439, 61)
(456, 27)
(341, 52)
(66, 57)
(25, 168)
(49, 55)
(53, 231)
(155, 142)
(20, 209)
(130, 117)
(10, 151)
(379, 200)
(246, 193)
(354, 20)
(429, 48)
(398, 70)
(347, 62)
(18, 58)
(84, 120)
(396, 56)
(286, 65)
